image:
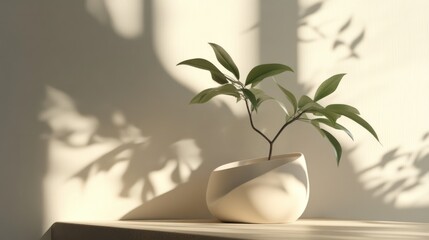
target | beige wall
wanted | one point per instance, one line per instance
(139, 150)
(96, 122)
(388, 82)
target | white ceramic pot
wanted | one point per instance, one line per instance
(260, 191)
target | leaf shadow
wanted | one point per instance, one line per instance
(119, 93)
(399, 172)
(337, 40)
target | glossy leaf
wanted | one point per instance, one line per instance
(342, 108)
(283, 107)
(303, 107)
(206, 95)
(261, 97)
(308, 105)
(356, 118)
(217, 75)
(328, 87)
(319, 110)
(333, 125)
(304, 100)
(337, 147)
(259, 94)
(260, 72)
(252, 98)
(289, 95)
(225, 59)
(317, 126)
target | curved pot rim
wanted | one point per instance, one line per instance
(289, 157)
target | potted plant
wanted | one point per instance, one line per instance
(270, 189)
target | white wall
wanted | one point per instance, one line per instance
(96, 123)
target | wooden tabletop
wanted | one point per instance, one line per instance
(210, 229)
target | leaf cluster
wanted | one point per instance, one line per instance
(304, 108)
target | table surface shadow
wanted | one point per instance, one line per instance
(211, 229)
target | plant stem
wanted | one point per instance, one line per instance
(253, 126)
(286, 124)
(270, 142)
(249, 112)
(270, 151)
(240, 84)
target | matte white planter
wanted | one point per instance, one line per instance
(260, 191)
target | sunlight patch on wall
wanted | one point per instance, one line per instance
(97, 198)
(394, 70)
(179, 36)
(125, 17)
(327, 40)
(385, 58)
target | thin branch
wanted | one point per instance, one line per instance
(253, 126)
(286, 124)
(234, 81)
(270, 152)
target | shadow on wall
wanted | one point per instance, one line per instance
(111, 94)
(340, 42)
(22, 154)
(300, 136)
(401, 180)
(236, 130)
(396, 188)
(104, 89)
(121, 93)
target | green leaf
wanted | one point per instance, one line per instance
(356, 118)
(306, 104)
(342, 108)
(283, 107)
(217, 75)
(261, 97)
(363, 123)
(333, 125)
(289, 95)
(335, 144)
(328, 87)
(252, 98)
(225, 59)
(260, 72)
(259, 94)
(317, 126)
(206, 95)
(319, 110)
(304, 100)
